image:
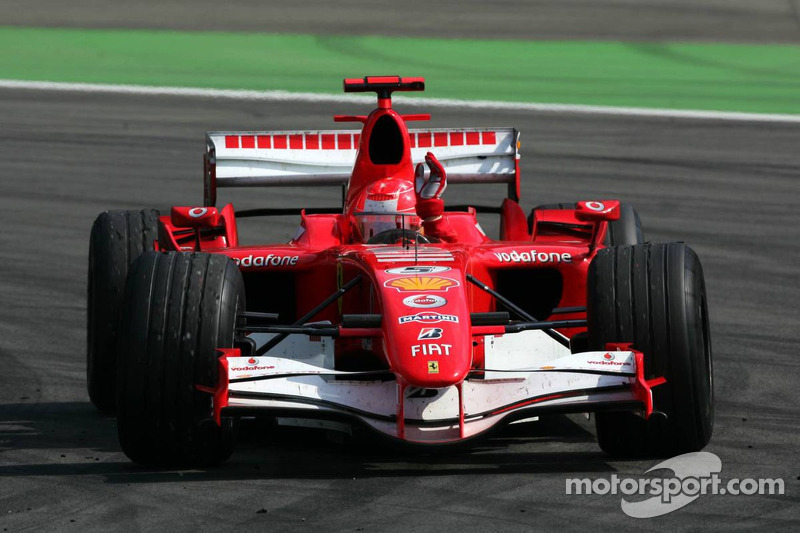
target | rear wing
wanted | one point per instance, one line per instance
(314, 158)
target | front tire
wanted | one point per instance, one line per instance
(179, 309)
(653, 296)
(117, 239)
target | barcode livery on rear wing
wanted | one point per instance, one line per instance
(346, 140)
(297, 158)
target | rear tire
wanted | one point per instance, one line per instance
(117, 239)
(179, 309)
(653, 296)
(625, 230)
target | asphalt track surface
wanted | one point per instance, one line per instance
(629, 20)
(729, 189)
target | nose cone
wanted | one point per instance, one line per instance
(426, 326)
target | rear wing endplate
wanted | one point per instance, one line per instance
(314, 158)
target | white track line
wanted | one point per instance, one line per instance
(286, 96)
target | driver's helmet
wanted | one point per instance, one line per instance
(387, 204)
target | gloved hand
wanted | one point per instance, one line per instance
(430, 205)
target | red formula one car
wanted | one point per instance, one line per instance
(391, 312)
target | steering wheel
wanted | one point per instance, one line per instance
(394, 236)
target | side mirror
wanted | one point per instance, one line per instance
(596, 211)
(195, 217)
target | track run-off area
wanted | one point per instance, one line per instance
(738, 77)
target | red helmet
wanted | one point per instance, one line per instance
(387, 204)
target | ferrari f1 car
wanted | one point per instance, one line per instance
(419, 327)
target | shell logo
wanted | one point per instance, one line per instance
(418, 284)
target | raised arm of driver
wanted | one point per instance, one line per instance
(430, 206)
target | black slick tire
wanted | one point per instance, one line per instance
(625, 230)
(117, 239)
(653, 296)
(179, 309)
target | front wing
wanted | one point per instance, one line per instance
(582, 382)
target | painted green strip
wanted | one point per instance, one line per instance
(724, 77)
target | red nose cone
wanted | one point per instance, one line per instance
(426, 323)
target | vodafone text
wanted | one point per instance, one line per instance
(532, 256)
(267, 260)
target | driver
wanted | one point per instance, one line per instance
(392, 209)
(385, 213)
